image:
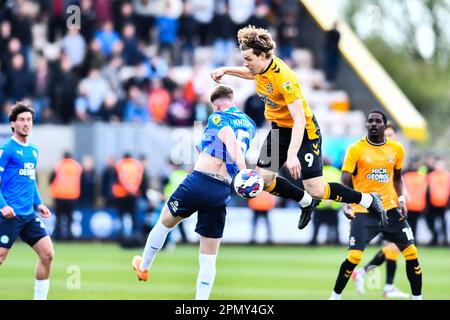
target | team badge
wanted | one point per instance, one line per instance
(269, 88)
(35, 153)
(390, 159)
(287, 86)
(216, 119)
(352, 241)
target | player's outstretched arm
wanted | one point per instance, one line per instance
(229, 139)
(241, 72)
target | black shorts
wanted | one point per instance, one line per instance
(274, 151)
(202, 193)
(365, 227)
(29, 228)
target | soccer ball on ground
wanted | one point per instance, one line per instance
(248, 183)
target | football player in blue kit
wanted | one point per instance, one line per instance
(19, 194)
(224, 143)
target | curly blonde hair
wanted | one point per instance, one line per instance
(258, 39)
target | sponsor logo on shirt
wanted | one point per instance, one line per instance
(28, 170)
(380, 174)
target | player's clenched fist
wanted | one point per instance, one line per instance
(217, 74)
(8, 212)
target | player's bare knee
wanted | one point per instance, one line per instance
(315, 190)
(355, 256)
(47, 256)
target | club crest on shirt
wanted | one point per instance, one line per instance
(269, 88)
(390, 159)
(35, 153)
(216, 119)
(287, 86)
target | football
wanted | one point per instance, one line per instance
(248, 183)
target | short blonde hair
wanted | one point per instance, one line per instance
(258, 39)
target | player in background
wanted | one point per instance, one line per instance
(19, 194)
(389, 253)
(224, 143)
(375, 163)
(295, 137)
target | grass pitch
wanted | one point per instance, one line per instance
(103, 271)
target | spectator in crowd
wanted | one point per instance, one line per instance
(57, 19)
(181, 113)
(131, 52)
(103, 10)
(416, 201)
(167, 27)
(259, 17)
(438, 200)
(240, 12)
(88, 20)
(111, 73)
(261, 205)
(288, 32)
(93, 91)
(332, 56)
(88, 183)
(110, 110)
(126, 16)
(108, 38)
(203, 13)
(136, 106)
(188, 35)
(41, 91)
(109, 177)
(146, 12)
(65, 189)
(158, 101)
(223, 37)
(74, 47)
(126, 189)
(63, 84)
(5, 38)
(19, 81)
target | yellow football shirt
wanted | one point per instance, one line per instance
(372, 167)
(277, 86)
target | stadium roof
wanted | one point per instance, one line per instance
(376, 79)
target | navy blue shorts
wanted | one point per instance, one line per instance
(29, 227)
(202, 193)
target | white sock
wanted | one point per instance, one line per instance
(41, 289)
(417, 297)
(206, 276)
(335, 296)
(388, 287)
(155, 241)
(306, 200)
(361, 272)
(366, 200)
